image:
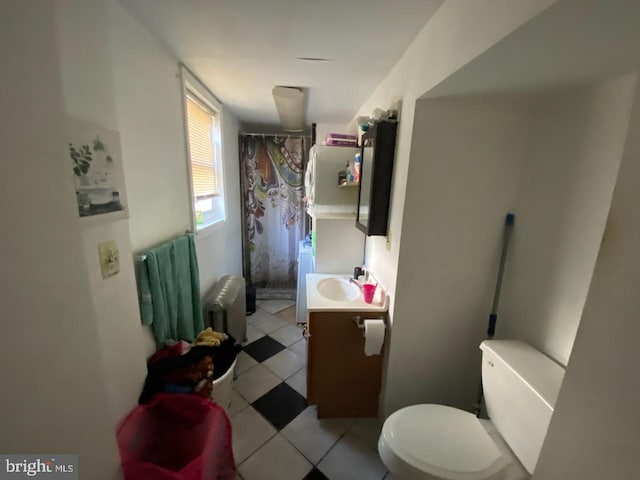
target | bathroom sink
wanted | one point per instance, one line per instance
(336, 292)
(338, 289)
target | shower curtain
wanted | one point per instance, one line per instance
(272, 169)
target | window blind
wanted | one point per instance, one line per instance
(201, 148)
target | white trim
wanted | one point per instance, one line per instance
(191, 84)
(209, 229)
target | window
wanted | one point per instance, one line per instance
(203, 119)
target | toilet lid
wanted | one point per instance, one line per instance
(443, 441)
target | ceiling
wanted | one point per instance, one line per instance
(241, 49)
(573, 42)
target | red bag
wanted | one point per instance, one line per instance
(176, 437)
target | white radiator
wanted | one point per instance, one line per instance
(225, 307)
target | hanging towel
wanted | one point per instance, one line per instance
(144, 293)
(170, 291)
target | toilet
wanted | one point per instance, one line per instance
(438, 442)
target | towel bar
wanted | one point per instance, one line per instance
(143, 257)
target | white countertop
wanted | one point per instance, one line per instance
(318, 303)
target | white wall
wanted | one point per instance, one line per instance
(458, 36)
(577, 141)
(148, 102)
(87, 82)
(54, 394)
(466, 160)
(339, 245)
(91, 364)
(149, 110)
(550, 158)
(595, 427)
(117, 75)
(457, 33)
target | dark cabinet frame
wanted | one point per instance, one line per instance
(383, 137)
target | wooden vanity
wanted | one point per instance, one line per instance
(341, 380)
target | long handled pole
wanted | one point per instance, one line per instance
(493, 317)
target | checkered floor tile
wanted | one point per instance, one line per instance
(264, 348)
(276, 435)
(281, 405)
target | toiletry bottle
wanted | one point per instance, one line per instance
(342, 177)
(356, 164)
(350, 175)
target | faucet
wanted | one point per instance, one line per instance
(357, 272)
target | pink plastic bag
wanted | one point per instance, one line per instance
(176, 437)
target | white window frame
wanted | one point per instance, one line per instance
(193, 86)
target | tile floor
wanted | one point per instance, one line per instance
(276, 435)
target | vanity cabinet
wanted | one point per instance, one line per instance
(341, 380)
(376, 170)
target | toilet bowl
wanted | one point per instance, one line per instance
(439, 442)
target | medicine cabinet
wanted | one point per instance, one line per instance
(378, 151)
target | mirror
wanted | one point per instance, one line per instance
(376, 169)
(366, 168)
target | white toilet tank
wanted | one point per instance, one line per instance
(520, 389)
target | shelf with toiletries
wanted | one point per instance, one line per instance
(321, 185)
(350, 176)
(332, 209)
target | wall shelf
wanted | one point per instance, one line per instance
(95, 187)
(348, 184)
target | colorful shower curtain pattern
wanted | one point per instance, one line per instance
(272, 179)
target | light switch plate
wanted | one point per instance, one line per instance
(109, 258)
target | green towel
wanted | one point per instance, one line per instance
(170, 291)
(144, 293)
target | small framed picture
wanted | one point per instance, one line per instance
(96, 164)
